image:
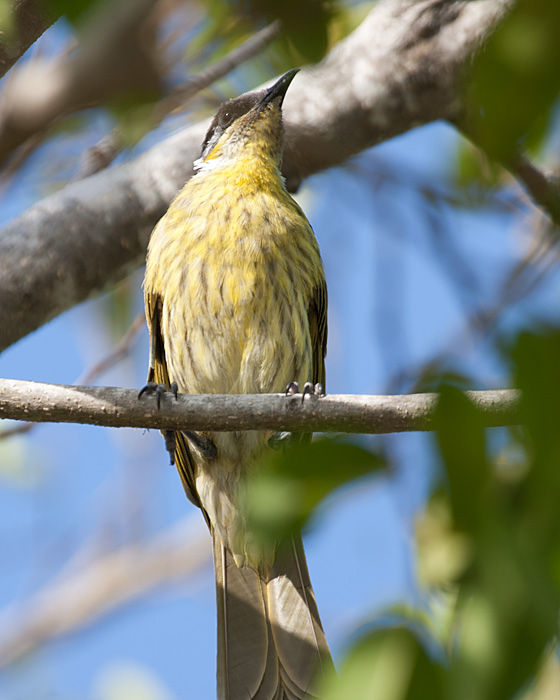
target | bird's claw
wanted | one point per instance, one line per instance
(170, 444)
(308, 388)
(292, 388)
(206, 446)
(159, 390)
(280, 440)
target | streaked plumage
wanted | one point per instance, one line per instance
(236, 303)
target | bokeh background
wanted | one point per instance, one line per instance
(429, 253)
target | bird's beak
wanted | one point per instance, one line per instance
(279, 88)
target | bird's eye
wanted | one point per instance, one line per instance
(226, 118)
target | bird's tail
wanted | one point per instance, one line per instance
(271, 644)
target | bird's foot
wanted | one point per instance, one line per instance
(170, 438)
(308, 389)
(159, 390)
(204, 444)
(281, 440)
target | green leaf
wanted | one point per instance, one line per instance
(516, 78)
(75, 10)
(462, 444)
(537, 374)
(388, 665)
(294, 481)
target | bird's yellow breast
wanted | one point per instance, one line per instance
(235, 263)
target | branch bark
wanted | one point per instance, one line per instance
(30, 19)
(119, 408)
(402, 67)
(115, 57)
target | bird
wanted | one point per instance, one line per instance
(236, 303)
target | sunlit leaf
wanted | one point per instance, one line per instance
(443, 552)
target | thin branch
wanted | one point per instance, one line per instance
(403, 66)
(543, 187)
(98, 588)
(102, 154)
(116, 407)
(119, 352)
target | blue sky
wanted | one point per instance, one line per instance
(392, 306)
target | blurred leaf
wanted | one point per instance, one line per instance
(547, 686)
(74, 10)
(7, 20)
(388, 665)
(473, 166)
(517, 76)
(21, 466)
(125, 680)
(443, 553)
(508, 601)
(537, 374)
(295, 480)
(305, 25)
(461, 441)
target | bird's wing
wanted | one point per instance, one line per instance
(158, 373)
(317, 314)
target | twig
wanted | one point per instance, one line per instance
(99, 587)
(116, 407)
(543, 187)
(120, 351)
(103, 153)
(401, 67)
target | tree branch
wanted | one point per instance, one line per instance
(30, 19)
(98, 587)
(116, 56)
(403, 66)
(542, 187)
(102, 154)
(119, 408)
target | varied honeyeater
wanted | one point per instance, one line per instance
(236, 302)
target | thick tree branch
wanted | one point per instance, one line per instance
(402, 67)
(115, 57)
(30, 19)
(116, 407)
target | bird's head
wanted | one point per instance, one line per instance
(247, 126)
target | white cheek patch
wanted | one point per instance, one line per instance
(201, 165)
